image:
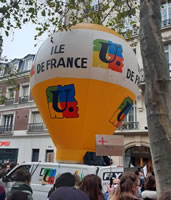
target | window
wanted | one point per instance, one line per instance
(49, 155)
(12, 175)
(1, 93)
(1, 97)
(94, 2)
(36, 118)
(24, 94)
(166, 14)
(10, 93)
(6, 70)
(28, 64)
(15, 65)
(95, 5)
(2, 70)
(131, 116)
(130, 121)
(35, 155)
(25, 90)
(167, 51)
(7, 122)
(36, 123)
(129, 26)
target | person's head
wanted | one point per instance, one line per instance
(17, 195)
(68, 193)
(5, 167)
(116, 181)
(22, 175)
(150, 183)
(91, 184)
(150, 173)
(128, 187)
(139, 173)
(12, 165)
(66, 179)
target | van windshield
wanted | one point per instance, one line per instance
(11, 175)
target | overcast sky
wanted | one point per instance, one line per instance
(22, 43)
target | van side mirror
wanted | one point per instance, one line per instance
(5, 179)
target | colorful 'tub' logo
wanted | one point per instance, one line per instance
(121, 112)
(107, 55)
(61, 101)
(48, 176)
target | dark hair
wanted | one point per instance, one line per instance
(150, 183)
(12, 165)
(137, 172)
(65, 179)
(4, 165)
(22, 175)
(17, 195)
(125, 190)
(91, 184)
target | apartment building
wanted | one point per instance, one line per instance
(24, 137)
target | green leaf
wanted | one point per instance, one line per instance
(43, 13)
(6, 33)
(1, 24)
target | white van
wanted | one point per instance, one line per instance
(44, 174)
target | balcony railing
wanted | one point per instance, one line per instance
(166, 23)
(23, 99)
(5, 129)
(36, 127)
(9, 101)
(128, 126)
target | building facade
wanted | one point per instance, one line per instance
(23, 135)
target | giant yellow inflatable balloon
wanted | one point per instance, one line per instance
(84, 81)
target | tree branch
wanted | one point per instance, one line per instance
(108, 13)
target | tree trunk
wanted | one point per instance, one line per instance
(157, 91)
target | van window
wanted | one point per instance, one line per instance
(11, 175)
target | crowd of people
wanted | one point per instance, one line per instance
(6, 167)
(67, 186)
